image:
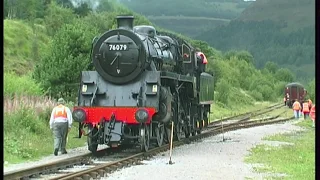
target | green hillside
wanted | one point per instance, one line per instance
(296, 14)
(188, 17)
(22, 45)
(280, 31)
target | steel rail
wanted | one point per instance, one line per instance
(54, 166)
(248, 114)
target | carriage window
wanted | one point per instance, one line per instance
(186, 53)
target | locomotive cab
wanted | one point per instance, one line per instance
(149, 31)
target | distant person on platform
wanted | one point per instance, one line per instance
(60, 123)
(296, 109)
(313, 115)
(305, 109)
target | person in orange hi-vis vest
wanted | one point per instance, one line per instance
(313, 114)
(305, 109)
(300, 114)
(60, 123)
(296, 109)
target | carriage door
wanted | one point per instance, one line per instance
(294, 93)
(302, 93)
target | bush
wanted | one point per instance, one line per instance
(267, 92)
(20, 85)
(239, 97)
(256, 95)
(18, 127)
(223, 89)
(279, 88)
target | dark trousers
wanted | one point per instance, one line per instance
(305, 115)
(60, 131)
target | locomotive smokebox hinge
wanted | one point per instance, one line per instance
(118, 36)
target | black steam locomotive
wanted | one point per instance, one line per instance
(143, 82)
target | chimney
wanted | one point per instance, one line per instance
(125, 22)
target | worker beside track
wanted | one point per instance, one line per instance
(300, 113)
(296, 109)
(310, 104)
(60, 123)
(305, 109)
(313, 114)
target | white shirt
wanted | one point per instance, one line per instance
(60, 119)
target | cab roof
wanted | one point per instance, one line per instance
(294, 84)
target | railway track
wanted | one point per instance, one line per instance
(103, 170)
(248, 115)
(123, 157)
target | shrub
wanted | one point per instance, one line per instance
(267, 92)
(239, 97)
(223, 88)
(20, 85)
(256, 95)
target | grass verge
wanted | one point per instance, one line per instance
(23, 44)
(295, 161)
(220, 111)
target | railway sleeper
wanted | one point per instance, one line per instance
(121, 165)
(127, 163)
(37, 175)
(130, 161)
(113, 167)
(87, 177)
(94, 175)
(102, 173)
(107, 169)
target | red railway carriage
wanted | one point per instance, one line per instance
(294, 91)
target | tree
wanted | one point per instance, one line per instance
(56, 17)
(284, 74)
(70, 54)
(82, 10)
(21, 9)
(241, 55)
(271, 67)
(311, 90)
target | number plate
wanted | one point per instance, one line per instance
(118, 47)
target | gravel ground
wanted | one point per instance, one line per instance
(210, 159)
